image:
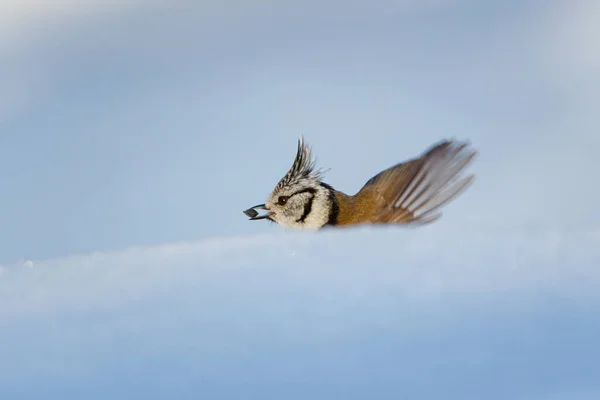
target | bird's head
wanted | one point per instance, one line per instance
(300, 199)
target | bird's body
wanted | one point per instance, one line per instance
(357, 209)
(410, 192)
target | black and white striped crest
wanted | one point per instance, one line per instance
(302, 169)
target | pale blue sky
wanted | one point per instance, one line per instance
(140, 125)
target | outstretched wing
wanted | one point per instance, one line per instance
(412, 192)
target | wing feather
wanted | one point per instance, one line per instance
(411, 192)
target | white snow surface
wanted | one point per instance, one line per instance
(372, 313)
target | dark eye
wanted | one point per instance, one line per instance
(282, 200)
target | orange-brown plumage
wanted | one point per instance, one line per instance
(410, 192)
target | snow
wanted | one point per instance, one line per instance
(432, 313)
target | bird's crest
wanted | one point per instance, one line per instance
(303, 168)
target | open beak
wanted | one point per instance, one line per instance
(253, 214)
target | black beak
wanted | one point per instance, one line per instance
(253, 214)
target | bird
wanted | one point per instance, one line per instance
(409, 193)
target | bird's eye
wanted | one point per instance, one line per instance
(282, 200)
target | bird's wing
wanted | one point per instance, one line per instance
(411, 192)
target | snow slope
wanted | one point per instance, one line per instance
(433, 313)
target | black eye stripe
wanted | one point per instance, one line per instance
(282, 200)
(307, 190)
